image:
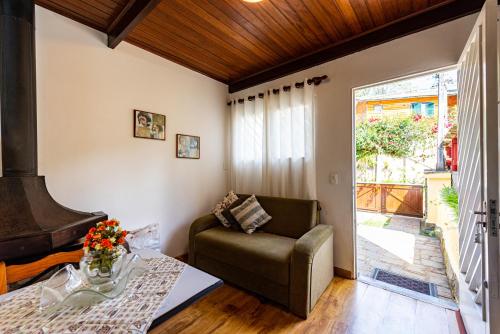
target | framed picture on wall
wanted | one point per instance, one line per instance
(188, 147)
(149, 125)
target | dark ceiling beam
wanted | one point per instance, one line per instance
(437, 15)
(131, 15)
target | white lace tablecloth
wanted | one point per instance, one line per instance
(131, 312)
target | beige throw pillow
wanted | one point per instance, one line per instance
(250, 215)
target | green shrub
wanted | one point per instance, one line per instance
(450, 197)
(397, 137)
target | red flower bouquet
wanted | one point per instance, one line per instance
(105, 236)
(104, 253)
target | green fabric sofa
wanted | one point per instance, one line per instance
(289, 260)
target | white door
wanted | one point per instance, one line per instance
(478, 175)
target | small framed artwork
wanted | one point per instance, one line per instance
(188, 147)
(149, 125)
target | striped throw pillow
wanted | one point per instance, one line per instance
(250, 215)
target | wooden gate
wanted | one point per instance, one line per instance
(401, 199)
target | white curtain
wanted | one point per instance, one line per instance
(272, 149)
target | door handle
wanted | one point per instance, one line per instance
(481, 212)
(480, 230)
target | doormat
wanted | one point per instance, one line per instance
(405, 282)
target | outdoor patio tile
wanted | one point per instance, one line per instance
(415, 271)
(433, 264)
(401, 249)
(444, 292)
(440, 281)
(437, 259)
(427, 254)
(440, 271)
(429, 248)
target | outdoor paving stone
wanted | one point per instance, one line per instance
(443, 292)
(433, 264)
(437, 259)
(438, 271)
(429, 248)
(419, 273)
(439, 281)
(421, 260)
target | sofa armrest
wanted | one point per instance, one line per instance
(199, 225)
(311, 268)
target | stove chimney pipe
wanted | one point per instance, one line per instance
(18, 88)
(32, 223)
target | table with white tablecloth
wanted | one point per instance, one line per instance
(190, 286)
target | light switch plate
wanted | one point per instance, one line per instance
(334, 178)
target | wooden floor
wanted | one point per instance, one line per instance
(347, 306)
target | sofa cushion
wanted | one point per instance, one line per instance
(291, 217)
(250, 215)
(226, 202)
(229, 217)
(264, 254)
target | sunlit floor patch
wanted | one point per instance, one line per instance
(399, 244)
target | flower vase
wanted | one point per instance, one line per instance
(102, 267)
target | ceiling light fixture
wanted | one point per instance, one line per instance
(252, 1)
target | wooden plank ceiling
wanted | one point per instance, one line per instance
(242, 43)
(98, 14)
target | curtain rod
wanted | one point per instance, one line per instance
(315, 80)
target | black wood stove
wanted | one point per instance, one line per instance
(31, 222)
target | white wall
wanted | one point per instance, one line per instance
(86, 150)
(427, 50)
(86, 93)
